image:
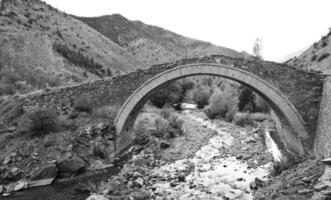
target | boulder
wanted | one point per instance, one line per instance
(20, 185)
(44, 176)
(327, 161)
(70, 165)
(7, 160)
(96, 197)
(139, 194)
(9, 174)
(164, 145)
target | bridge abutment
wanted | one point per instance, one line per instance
(322, 143)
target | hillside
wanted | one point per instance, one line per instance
(152, 44)
(42, 47)
(317, 57)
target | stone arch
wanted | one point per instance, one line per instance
(279, 103)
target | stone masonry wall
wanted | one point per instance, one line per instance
(322, 146)
(301, 88)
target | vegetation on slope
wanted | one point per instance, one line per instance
(42, 47)
(316, 58)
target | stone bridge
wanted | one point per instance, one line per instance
(294, 95)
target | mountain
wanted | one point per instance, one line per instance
(43, 47)
(152, 44)
(293, 54)
(316, 57)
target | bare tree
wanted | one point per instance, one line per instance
(257, 49)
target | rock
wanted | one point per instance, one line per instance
(320, 186)
(327, 161)
(305, 191)
(257, 183)
(140, 182)
(70, 165)
(250, 140)
(327, 192)
(1, 188)
(164, 145)
(6, 161)
(139, 195)
(181, 178)
(96, 197)
(98, 164)
(307, 179)
(240, 179)
(44, 176)
(21, 185)
(13, 174)
(5, 194)
(173, 184)
(253, 185)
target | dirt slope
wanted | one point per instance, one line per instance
(152, 44)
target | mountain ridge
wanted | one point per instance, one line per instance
(152, 44)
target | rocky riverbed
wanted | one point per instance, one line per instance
(224, 162)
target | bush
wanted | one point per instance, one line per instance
(313, 58)
(173, 93)
(201, 96)
(222, 104)
(83, 104)
(7, 89)
(162, 126)
(323, 56)
(246, 99)
(77, 58)
(243, 119)
(41, 122)
(261, 105)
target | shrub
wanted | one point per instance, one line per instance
(218, 104)
(83, 104)
(76, 57)
(201, 96)
(243, 119)
(324, 43)
(105, 112)
(246, 99)
(261, 105)
(222, 104)
(207, 81)
(313, 58)
(7, 89)
(41, 122)
(172, 93)
(323, 56)
(165, 125)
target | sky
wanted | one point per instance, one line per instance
(285, 26)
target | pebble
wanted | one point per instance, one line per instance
(305, 191)
(6, 161)
(320, 186)
(173, 184)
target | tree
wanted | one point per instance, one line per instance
(257, 49)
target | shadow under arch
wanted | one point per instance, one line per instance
(282, 107)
